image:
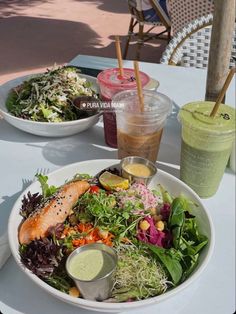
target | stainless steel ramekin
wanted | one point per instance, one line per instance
(100, 288)
(137, 160)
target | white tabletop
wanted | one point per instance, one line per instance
(22, 155)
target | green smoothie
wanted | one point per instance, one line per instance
(206, 145)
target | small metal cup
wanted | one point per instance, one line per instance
(100, 288)
(139, 160)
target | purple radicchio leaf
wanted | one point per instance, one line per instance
(30, 204)
(42, 256)
(56, 231)
(165, 211)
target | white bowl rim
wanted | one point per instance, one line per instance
(63, 123)
(98, 306)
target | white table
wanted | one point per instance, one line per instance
(22, 154)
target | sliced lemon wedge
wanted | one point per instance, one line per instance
(111, 181)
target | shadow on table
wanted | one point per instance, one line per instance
(7, 204)
(169, 154)
(171, 169)
(24, 296)
(63, 152)
(86, 145)
(175, 111)
(11, 134)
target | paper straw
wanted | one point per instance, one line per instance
(139, 85)
(119, 57)
(222, 92)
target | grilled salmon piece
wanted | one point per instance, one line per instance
(55, 211)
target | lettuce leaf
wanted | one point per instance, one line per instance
(46, 189)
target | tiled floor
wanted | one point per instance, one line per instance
(35, 34)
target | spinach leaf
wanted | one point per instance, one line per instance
(182, 258)
(170, 259)
(177, 219)
(190, 244)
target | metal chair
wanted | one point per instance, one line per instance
(182, 12)
(138, 19)
(190, 46)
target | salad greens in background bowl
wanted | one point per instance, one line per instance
(155, 261)
(42, 104)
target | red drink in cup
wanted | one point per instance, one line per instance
(111, 83)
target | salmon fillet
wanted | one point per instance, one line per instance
(55, 211)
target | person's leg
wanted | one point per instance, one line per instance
(163, 4)
(150, 15)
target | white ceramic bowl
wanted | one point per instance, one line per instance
(172, 184)
(50, 129)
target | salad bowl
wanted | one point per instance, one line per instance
(48, 129)
(173, 185)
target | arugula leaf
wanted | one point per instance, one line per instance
(82, 176)
(11, 99)
(46, 189)
(189, 263)
(170, 259)
(190, 247)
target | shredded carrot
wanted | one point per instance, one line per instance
(125, 240)
(84, 227)
(92, 235)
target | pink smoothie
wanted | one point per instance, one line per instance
(111, 83)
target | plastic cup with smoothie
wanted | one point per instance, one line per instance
(139, 132)
(111, 83)
(206, 145)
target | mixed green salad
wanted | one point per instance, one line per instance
(48, 97)
(156, 237)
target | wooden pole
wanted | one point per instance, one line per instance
(222, 92)
(220, 47)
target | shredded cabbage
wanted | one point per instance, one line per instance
(48, 97)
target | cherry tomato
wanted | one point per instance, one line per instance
(94, 189)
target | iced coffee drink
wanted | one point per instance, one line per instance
(139, 132)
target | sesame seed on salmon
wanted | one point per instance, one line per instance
(55, 211)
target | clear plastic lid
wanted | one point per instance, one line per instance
(155, 103)
(111, 78)
(197, 115)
